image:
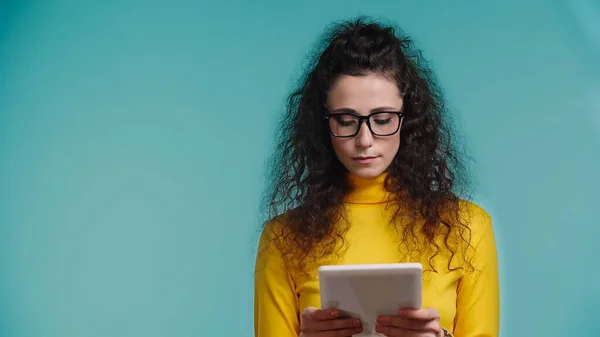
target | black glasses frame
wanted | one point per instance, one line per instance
(367, 119)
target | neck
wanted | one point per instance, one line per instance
(367, 190)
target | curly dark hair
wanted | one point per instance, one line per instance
(308, 182)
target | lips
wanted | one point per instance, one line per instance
(365, 160)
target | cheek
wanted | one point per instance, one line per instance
(339, 146)
(391, 146)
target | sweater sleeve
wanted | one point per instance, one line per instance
(275, 299)
(478, 303)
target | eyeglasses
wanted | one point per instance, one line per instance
(347, 124)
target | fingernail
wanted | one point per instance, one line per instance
(334, 313)
(356, 322)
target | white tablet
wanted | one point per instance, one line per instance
(369, 290)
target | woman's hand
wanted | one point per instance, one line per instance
(327, 323)
(411, 323)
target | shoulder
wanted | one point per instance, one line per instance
(275, 235)
(475, 217)
(276, 227)
(274, 246)
(481, 233)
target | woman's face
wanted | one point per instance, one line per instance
(365, 154)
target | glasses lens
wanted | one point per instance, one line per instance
(343, 125)
(384, 123)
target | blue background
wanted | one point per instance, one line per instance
(133, 136)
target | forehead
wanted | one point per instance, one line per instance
(364, 93)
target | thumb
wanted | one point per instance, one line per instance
(309, 312)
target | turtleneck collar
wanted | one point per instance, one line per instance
(367, 190)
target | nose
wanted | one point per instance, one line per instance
(364, 138)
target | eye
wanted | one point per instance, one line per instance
(346, 123)
(384, 118)
(382, 121)
(345, 120)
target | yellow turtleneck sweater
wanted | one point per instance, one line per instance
(468, 301)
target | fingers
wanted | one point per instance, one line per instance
(314, 314)
(327, 323)
(336, 324)
(407, 323)
(391, 331)
(334, 333)
(410, 322)
(420, 314)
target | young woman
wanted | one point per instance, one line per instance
(366, 173)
